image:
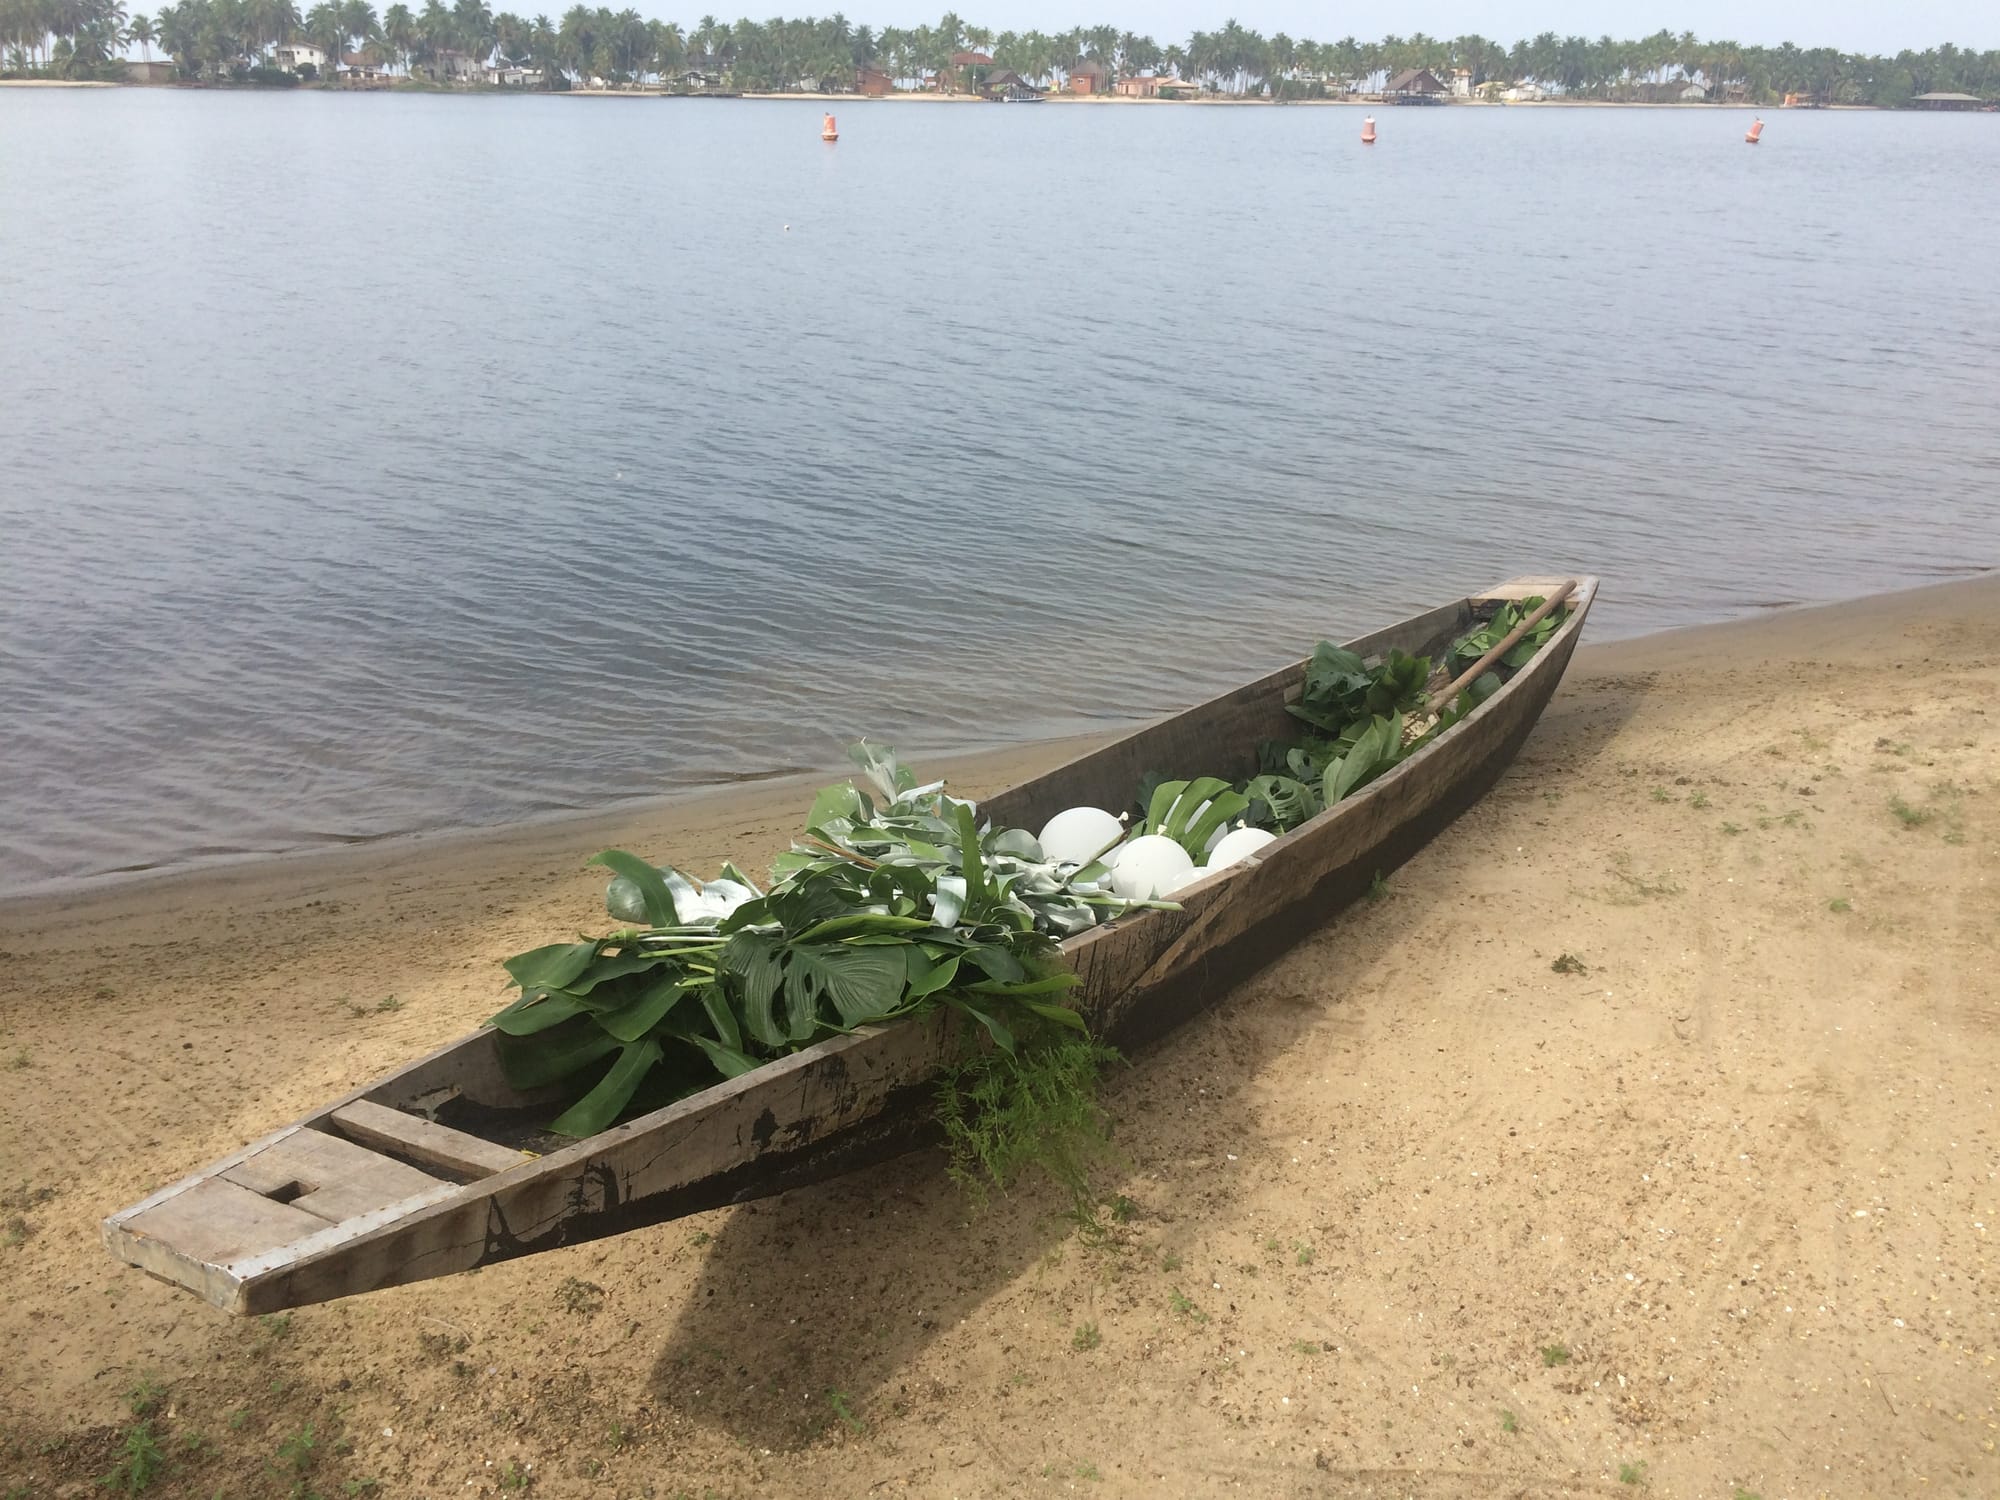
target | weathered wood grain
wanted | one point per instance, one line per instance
(851, 1099)
(416, 1139)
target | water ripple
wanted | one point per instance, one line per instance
(391, 463)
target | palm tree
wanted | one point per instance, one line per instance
(140, 29)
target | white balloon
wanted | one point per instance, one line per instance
(1240, 844)
(1075, 834)
(1147, 866)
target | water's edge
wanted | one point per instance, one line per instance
(600, 825)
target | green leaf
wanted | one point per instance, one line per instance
(1062, 1015)
(729, 1062)
(868, 922)
(1290, 801)
(630, 1022)
(1165, 795)
(730, 872)
(614, 966)
(997, 962)
(550, 968)
(926, 975)
(995, 1027)
(833, 802)
(753, 958)
(879, 763)
(864, 984)
(977, 893)
(553, 1055)
(652, 885)
(801, 1004)
(721, 1017)
(535, 1012)
(1054, 984)
(597, 1109)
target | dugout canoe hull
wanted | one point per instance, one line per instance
(369, 1192)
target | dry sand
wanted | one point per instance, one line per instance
(1411, 1213)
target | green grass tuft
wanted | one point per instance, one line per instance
(1554, 1354)
(1085, 1338)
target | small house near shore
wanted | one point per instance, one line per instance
(149, 72)
(1416, 86)
(872, 81)
(1089, 77)
(1156, 86)
(295, 55)
(1947, 101)
(1006, 84)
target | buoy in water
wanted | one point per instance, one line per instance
(1756, 130)
(1368, 131)
(827, 130)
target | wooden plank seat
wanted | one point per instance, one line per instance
(417, 1139)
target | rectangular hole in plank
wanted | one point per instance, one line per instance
(289, 1191)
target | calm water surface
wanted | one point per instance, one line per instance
(373, 464)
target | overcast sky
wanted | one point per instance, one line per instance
(1851, 25)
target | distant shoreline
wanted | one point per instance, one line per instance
(1118, 100)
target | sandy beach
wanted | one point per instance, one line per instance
(1641, 1139)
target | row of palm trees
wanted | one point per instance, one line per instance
(220, 38)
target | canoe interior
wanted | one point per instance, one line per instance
(442, 1165)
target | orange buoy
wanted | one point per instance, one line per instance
(1756, 130)
(827, 130)
(1368, 131)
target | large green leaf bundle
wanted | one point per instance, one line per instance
(879, 911)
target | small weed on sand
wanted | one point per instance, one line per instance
(514, 1477)
(1307, 1346)
(1632, 1473)
(1840, 903)
(1743, 1494)
(20, 1062)
(1908, 816)
(1087, 1471)
(1568, 963)
(142, 1463)
(1184, 1307)
(1509, 1422)
(1698, 800)
(1554, 1354)
(1170, 1261)
(580, 1297)
(1732, 828)
(1086, 1338)
(300, 1451)
(838, 1401)
(1378, 888)
(1661, 794)
(1304, 1252)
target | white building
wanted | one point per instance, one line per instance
(295, 55)
(1461, 83)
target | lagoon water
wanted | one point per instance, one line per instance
(372, 464)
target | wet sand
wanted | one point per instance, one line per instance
(1645, 1129)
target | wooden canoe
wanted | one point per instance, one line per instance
(373, 1190)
